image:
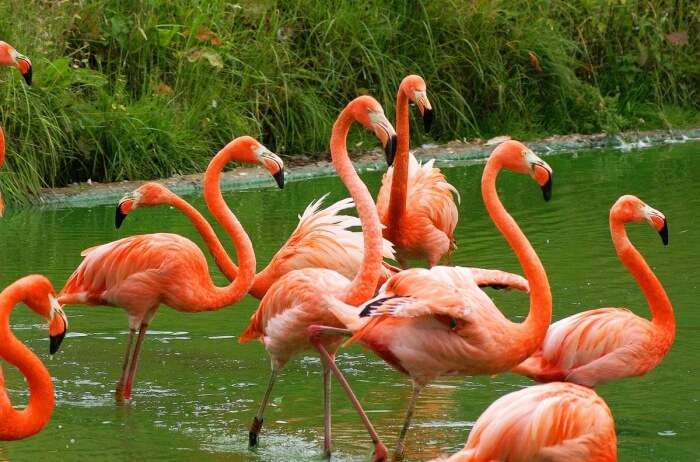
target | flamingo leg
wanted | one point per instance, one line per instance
(256, 425)
(326, 411)
(119, 392)
(380, 451)
(134, 361)
(400, 446)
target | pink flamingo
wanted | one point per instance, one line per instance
(556, 422)
(2, 162)
(415, 202)
(37, 293)
(426, 327)
(11, 57)
(138, 273)
(299, 298)
(606, 344)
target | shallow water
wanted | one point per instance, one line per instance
(197, 388)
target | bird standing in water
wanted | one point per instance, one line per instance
(606, 344)
(426, 327)
(415, 202)
(138, 273)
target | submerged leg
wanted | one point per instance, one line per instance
(400, 446)
(134, 362)
(119, 392)
(327, 411)
(380, 452)
(256, 425)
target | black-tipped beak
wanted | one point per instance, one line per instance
(120, 216)
(55, 342)
(663, 232)
(547, 189)
(28, 76)
(279, 178)
(390, 150)
(428, 118)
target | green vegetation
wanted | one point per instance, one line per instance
(128, 89)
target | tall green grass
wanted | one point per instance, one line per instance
(128, 89)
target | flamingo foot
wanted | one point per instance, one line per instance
(121, 395)
(326, 454)
(253, 433)
(380, 453)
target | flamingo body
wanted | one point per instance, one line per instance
(138, 273)
(426, 228)
(289, 307)
(597, 346)
(556, 422)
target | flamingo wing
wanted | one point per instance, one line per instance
(324, 239)
(594, 347)
(137, 260)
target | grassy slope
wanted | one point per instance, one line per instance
(144, 89)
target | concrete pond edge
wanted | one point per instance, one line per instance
(453, 153)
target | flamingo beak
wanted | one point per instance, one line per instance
(426, 110)
(25, 68)
(390, 150)
(428, 118)
(383, 130)
(663, 232)
(58, 326)
(279, 178)
(547, 189)
(125, 205)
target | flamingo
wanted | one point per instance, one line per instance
(38, 294)
(12, 58)
(138, 273)
(606, 344)
(426, 327)
(297, 300)
(2, 162)
(556, 422)
(415, 202)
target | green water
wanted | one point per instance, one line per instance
(197, 388)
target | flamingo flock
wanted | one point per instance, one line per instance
(329, 285)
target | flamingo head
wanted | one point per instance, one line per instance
(629, 208)
(147, 195)
(515, 156)
(39, 295)
(369, 113)
(414, 88)
(11, 57)
(248, 149)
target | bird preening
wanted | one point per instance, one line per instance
(330, 285)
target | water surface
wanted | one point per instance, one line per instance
(197, 388)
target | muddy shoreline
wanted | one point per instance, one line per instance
(89, 194)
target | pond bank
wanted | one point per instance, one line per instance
(88, 194)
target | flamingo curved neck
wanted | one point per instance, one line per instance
(657, 299)
(16, 424)
(540, 315)
(221, 257)
(244, 248)
(399, 179)
(363, 285)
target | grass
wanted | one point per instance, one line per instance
(134, 89)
